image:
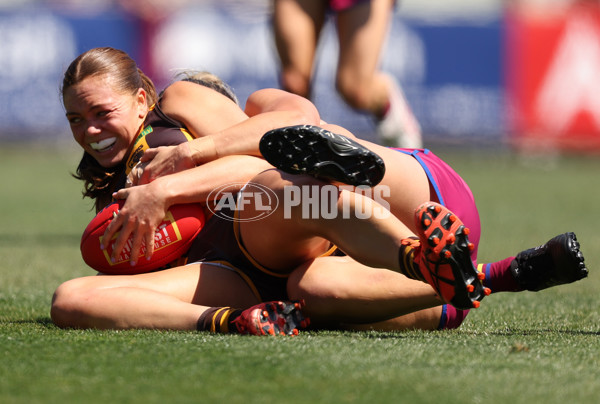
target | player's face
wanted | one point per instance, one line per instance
(103, 121)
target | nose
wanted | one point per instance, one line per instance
(92, 129)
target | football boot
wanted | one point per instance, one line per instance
(272, 318)
(307, 149)
(399, 126)
(557, 262)
(444, 257)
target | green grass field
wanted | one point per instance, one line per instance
(517, 348)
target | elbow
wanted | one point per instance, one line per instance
(301, 117)
(299, 110)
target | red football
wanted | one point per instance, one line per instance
(172, 239)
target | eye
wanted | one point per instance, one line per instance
(74, 120)
(103, 113)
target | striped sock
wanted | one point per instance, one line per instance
(218, 320)
(498, 276)
(406, 256)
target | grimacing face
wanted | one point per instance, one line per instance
(103, 121)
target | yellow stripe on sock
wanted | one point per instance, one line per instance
(213, 327)
(224, 324)
(409, 264)
(409, 260)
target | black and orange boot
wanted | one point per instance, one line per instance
(272, 318)
(444, 258)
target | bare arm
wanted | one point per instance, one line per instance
(227, 138)
(202, 110)
(221, 127)
(146, 205)
(267, 109)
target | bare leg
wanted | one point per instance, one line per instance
(339, 290)
(445, 258)
(289, 237)
(362, 31)
(169, 299)
(297, 26)
(404, 177)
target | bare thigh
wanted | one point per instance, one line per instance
(362, 31)
(339, 289)
(406, 180)
(201, 284)
(278, 241)
(341, 293)
(297, 42)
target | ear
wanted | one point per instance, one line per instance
(142, 104)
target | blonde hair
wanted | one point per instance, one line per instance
(209, 80)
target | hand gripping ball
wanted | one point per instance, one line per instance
(172, 239)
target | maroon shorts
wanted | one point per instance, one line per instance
(451, 190)
(341, 5)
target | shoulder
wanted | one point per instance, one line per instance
(185, 95)
(181, 87)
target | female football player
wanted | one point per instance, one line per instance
(104, 118)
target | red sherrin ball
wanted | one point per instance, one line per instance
(172, 239)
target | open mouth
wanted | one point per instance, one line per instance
(104, 144)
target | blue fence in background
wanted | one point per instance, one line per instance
(35, 49)
(452, 74)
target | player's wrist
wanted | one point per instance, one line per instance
(203, 150)
(164, 192)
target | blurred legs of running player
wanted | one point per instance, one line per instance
(362, 28)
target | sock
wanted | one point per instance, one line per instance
(498, 276)
(406, 256)
(451, 317)
(218, 320)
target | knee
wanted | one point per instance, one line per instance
(296, 286)
(354, 92)
(66, 307)
(307, 283)
(296, 83)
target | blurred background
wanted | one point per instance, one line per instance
(521, 74)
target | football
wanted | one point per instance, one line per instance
(172, 239)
